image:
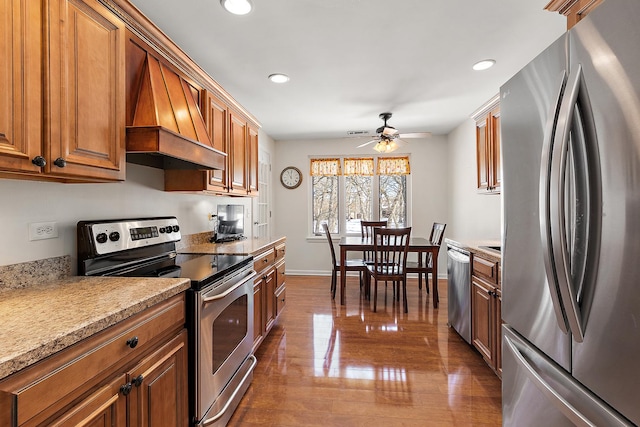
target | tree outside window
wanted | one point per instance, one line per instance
(342, 200)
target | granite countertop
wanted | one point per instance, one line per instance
(239, 247)
(476, 246)
(40, 320)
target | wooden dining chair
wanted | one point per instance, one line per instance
(425, 265)
(351, 264)
(367, 228)
(390, 247)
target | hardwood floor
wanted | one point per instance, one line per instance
(331, 365)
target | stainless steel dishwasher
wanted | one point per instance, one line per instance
(459, 291)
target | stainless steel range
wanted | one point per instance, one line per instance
(219, 303)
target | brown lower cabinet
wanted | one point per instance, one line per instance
(486, 309)
(269, 294)
(131, 374)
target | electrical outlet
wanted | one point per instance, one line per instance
(43, 230)
(212, 216)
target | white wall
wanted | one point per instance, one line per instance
(429, 195)
(141, 195)
(473, 215)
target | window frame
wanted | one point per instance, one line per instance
(342, 199)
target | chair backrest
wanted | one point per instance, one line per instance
(437, 233)
(390, 246)
(333, 251)
(367, 227)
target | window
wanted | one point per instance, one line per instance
(342, 200)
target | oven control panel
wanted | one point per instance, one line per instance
(115, 236)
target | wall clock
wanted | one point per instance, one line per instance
(291, 177)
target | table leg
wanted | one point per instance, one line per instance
(434, 278)
(343, 274)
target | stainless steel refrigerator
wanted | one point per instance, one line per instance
(570, 127)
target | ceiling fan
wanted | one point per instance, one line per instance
(388, 136)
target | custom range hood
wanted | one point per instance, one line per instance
(168, 131)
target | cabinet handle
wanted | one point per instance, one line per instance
(125, 389)
(60, 162)
(39, 161)
(137, 381)
(132, 342)
(265, 260)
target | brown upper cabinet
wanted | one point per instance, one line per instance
(63, 75)
(574, 10)
(487, 120)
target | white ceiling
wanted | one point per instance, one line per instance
(350, 60)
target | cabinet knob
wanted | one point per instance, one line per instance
(132, 342)
(39, 161)
(137, 381)
(125, 389)
(60, 162)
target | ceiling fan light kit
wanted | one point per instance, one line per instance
(388, 136)
(237, 7)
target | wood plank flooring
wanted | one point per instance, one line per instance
(329, 365)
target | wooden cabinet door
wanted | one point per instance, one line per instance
(495, 178)
(106, 407)
(238, 155)
(85, 98)
(270, 298)
(497, 298)
(253, 162)
(482, 153)
(482, 328)
(216, 117)
(158, 395)
(258, 315)
(20, 85)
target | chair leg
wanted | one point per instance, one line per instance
(375, 294)
(404, 293)
(333, 284)
(420, 282)
(426, 282)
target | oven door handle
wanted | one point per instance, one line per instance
(231, 289)
(222, 411)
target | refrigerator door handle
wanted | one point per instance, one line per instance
(544, 197)
(571, 398)
(572, 279)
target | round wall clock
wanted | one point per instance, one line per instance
(291, 177)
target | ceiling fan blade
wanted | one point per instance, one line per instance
(368, 142)
(415, 135)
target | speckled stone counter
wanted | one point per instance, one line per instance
(240, 247)
(476, 246)
(42, 319)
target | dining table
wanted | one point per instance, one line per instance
(419, 245)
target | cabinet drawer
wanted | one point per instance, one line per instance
(280, 276)
(485, 268)
(281, 299)
(64, 376)
(280, 251)
(263, 260)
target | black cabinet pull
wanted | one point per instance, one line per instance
(125, 389)
(132, 342)
(60, 162)
(137, 381)
(39, 161)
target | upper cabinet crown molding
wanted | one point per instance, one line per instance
(486, 107)
(574, 10)
(146, 30)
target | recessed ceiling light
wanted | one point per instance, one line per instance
(237, 7)
(279, 78)
(484, 64)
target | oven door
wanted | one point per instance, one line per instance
(225, 337)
